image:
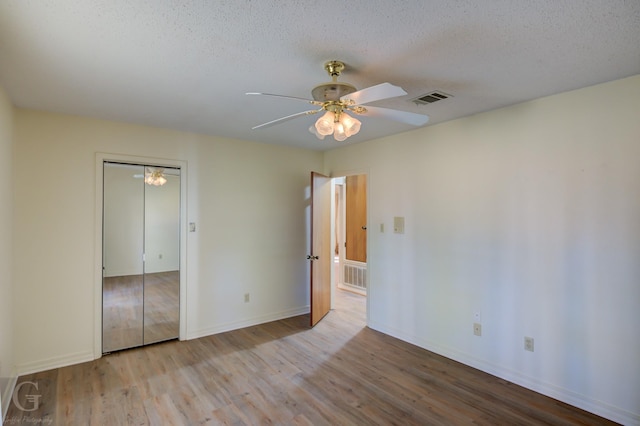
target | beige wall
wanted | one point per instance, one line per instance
(527, 215)
(248, 200)
(6, 223)
(530, 216)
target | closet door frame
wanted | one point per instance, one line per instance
(102, 157)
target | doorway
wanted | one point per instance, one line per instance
(140, 255)
(338, 219)
(350, 234)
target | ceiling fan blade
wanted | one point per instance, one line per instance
(287, 118)
(394, 114)
(309, 101)
(375, 93)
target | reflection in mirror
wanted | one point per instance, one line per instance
(122, 285)
(141, 237)
(162, 259)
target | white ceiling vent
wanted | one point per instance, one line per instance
(430, 98)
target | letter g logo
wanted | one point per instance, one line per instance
(33, 399)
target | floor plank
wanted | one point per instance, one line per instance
(283, 372)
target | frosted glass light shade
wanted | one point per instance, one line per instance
(339, 133)
(312, 129)
(324, 125)
(351, 124)
(343, 128)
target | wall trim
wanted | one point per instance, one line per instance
(565, 395)
(54, 362)
(236, 325)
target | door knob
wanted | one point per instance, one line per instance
(364, 228)
(310, 257)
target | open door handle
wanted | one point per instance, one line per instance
(364, 228)
(310, 257)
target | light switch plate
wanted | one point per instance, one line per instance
(398, 225)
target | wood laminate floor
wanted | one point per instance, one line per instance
(140, 309)
(338, 373)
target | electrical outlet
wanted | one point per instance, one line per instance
(477, 329)
(246, 298)
(528, 344)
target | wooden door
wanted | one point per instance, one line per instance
(356, 218)
(320, 256)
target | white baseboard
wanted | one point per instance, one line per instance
(54, 362)
(36, 367)
(221, 328)
(7, 394)
(583, 402)
(80, 357)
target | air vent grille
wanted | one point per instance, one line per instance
(430, 98)
(355, 276)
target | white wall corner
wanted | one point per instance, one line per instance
(7, 393)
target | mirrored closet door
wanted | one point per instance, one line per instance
(141, 255)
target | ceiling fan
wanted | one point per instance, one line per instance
(155, 176)
(337, 98)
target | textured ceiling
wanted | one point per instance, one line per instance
(186, 64)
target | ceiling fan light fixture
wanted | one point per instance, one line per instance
(154, 177)
(338, 123)
(336, 98)
(325, 124)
